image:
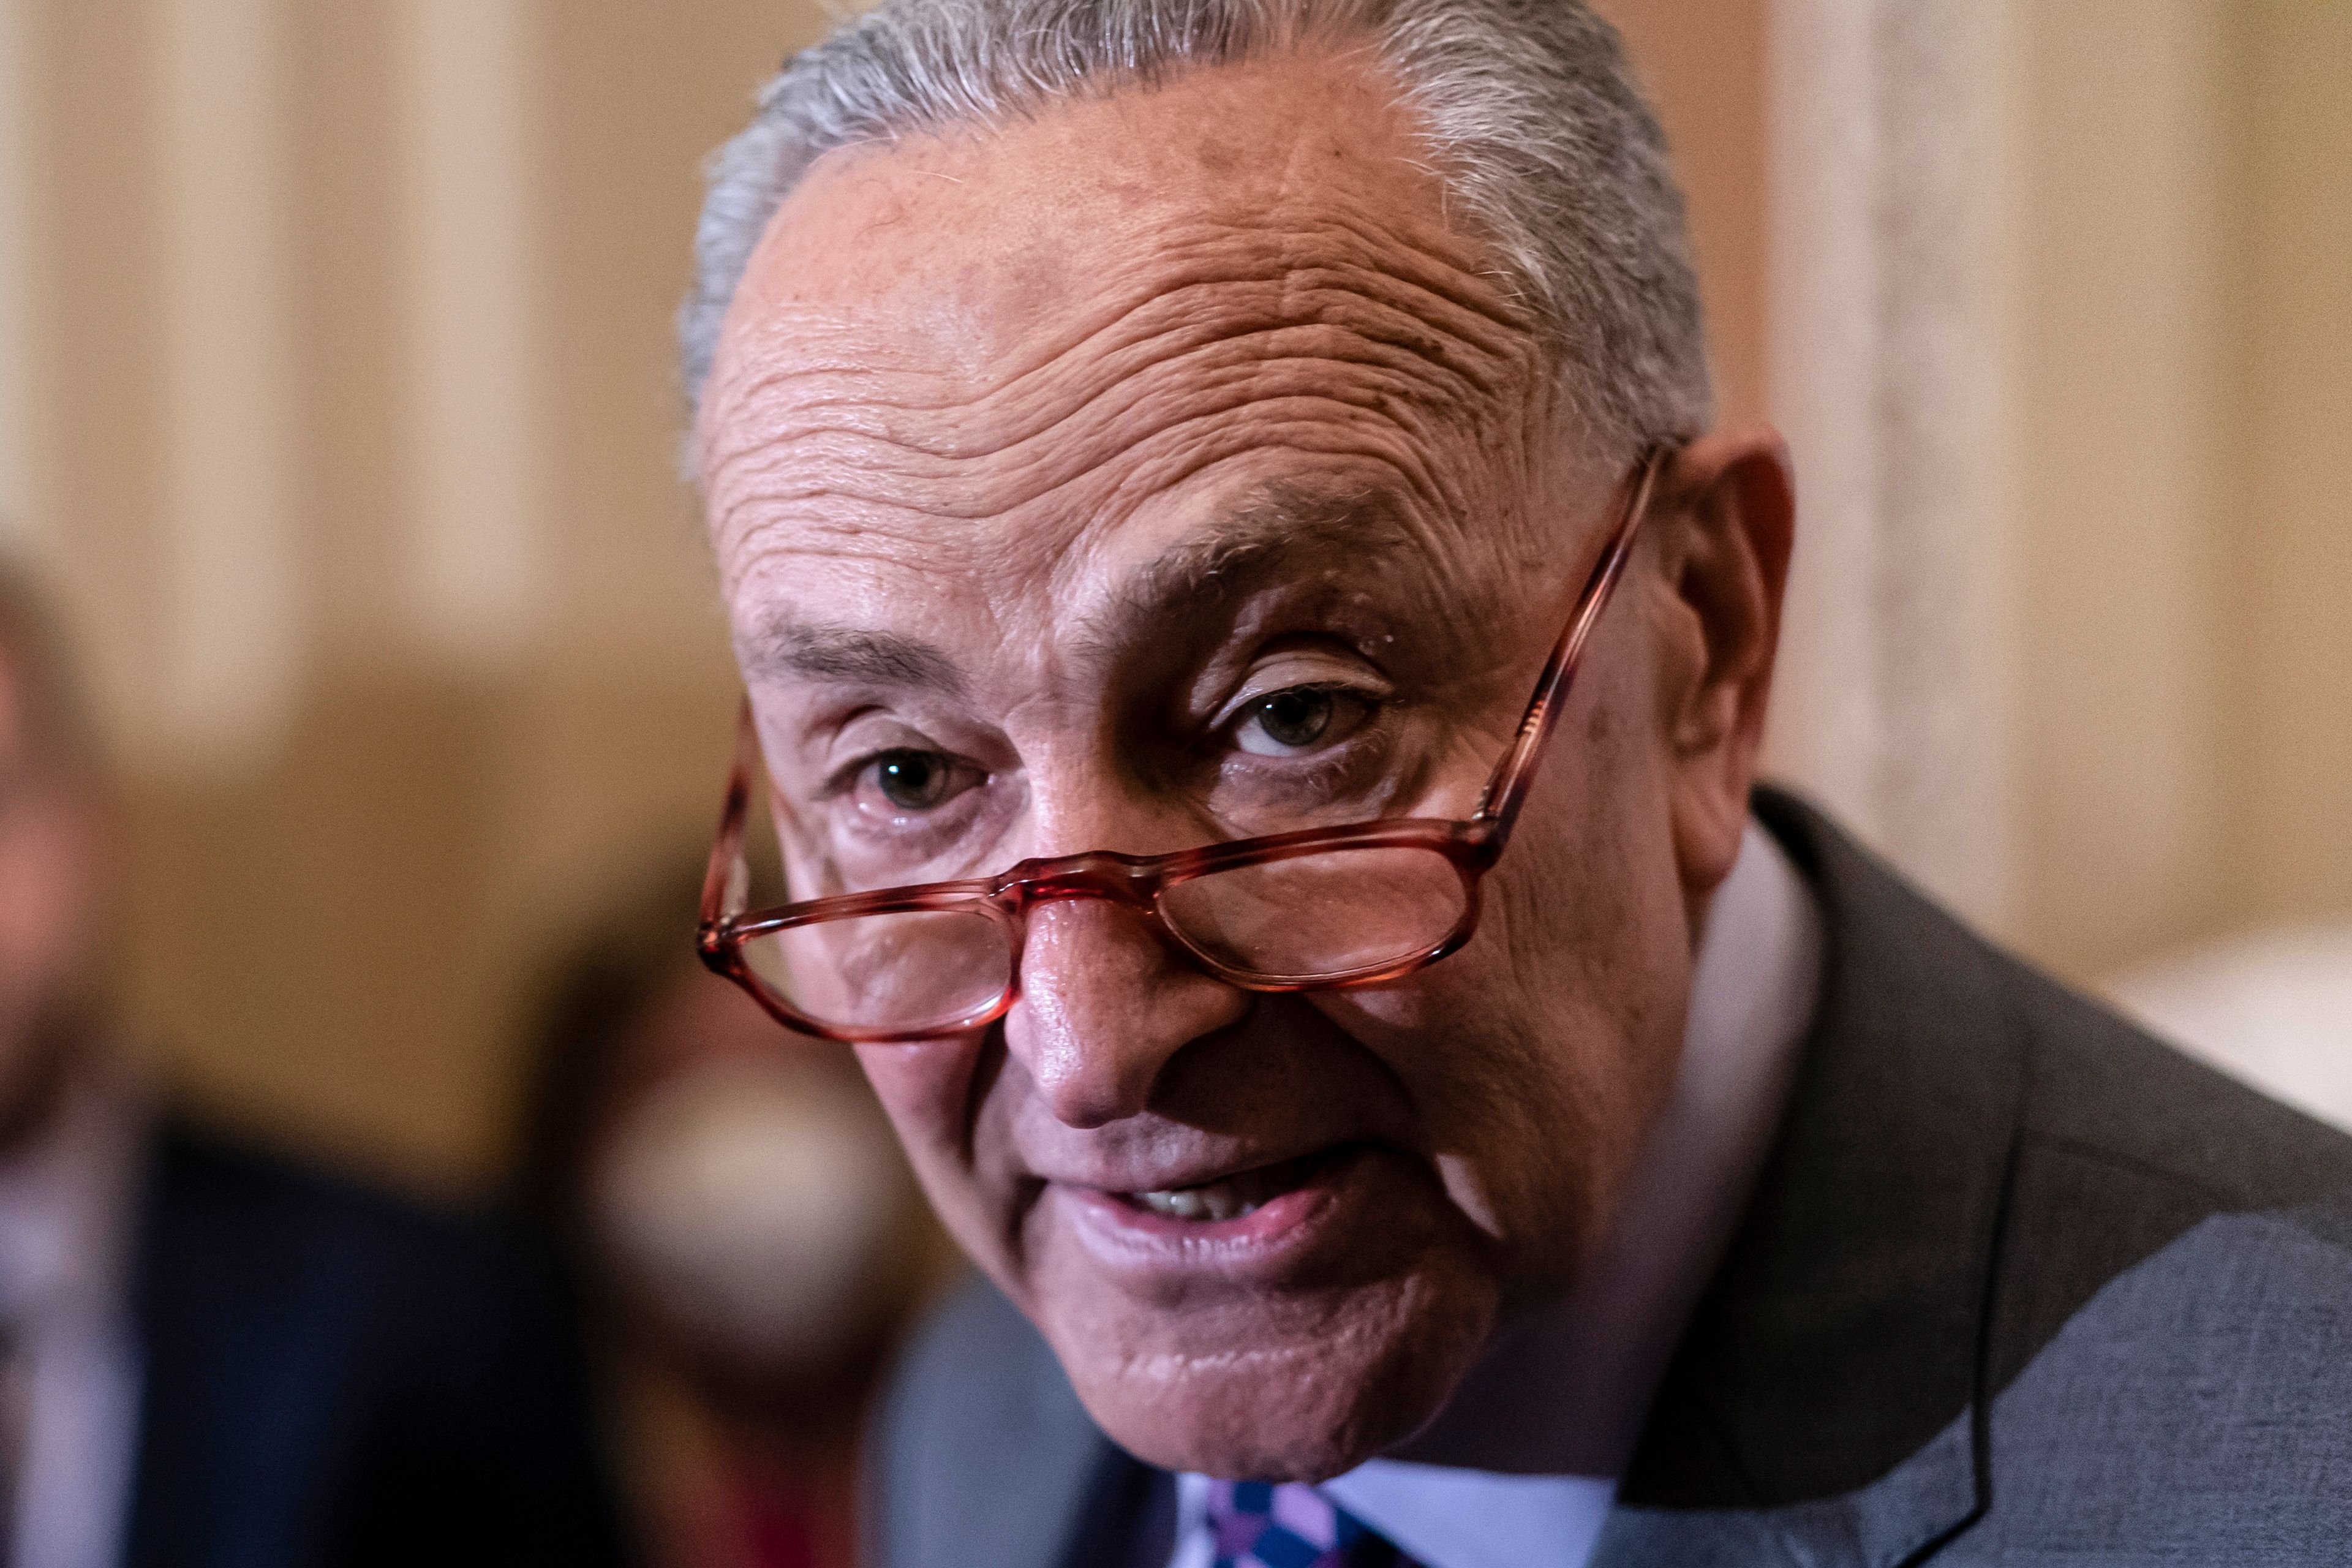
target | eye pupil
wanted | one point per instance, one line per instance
(912, 781)
(1295, 718)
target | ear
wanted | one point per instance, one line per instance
(1724, 518)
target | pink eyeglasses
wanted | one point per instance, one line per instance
(1307, 910)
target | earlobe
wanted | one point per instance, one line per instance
(1727, 563)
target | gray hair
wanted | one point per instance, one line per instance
(1528, 107)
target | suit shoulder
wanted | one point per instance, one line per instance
(2134, 1164)
(975, 1366)
(978, 1412)
(2100, 1089)
(2094, 1148)
(2091, 1084)
(2195, 1403)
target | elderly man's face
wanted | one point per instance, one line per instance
(1166, 470)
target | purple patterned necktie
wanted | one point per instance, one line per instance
(1257, 1525)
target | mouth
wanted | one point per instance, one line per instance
(1250, 1229)
(1231, 1197)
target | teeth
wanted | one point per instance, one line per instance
(1217, 1201)
(1228, 1198)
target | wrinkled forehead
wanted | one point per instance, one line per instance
(1007, 364)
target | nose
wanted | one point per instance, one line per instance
(1103, 1006)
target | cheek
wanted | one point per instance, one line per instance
(1518, 1103)
(926, 1089)
(1537, 1056)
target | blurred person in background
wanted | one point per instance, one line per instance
(741, 1229)
(210, 1357)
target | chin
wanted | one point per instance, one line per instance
(1286, 1389)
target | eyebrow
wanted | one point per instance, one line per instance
(822, 651)
(1261, 538)
(1266, 536)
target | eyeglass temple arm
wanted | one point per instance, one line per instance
(1499, 805)
(727, 881)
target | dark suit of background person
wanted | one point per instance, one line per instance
(333, 1377)
(2017, 1282)
(217, 1359)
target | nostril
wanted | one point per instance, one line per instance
(1085, 1106)
(1090, 1068)
(1103, 1008)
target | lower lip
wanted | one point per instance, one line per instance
(1272, 1239)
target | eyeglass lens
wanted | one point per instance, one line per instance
(1300, 921)
(912, 970)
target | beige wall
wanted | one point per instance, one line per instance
(1702, 62)
(359, 483)
(358, 475)
(2181, 324)
(2159, 751)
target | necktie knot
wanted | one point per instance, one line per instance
(1259, 1525)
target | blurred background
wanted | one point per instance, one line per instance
(336, 399)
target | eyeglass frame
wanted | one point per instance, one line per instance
(1472, 846)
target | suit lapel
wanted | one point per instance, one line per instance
(1827, 1395)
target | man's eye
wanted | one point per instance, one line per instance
(913, 781)
(1300, 717)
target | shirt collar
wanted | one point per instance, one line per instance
(1446, 1518)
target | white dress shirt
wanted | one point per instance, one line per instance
(68, 1204)
(1559, 1403)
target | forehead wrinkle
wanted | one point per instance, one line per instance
(1311, 225)
(1227, 324)
(1150, 431)
(1326, 331)
(1203, 313)
(1335, 259)
(777, 548)
(1041, 430)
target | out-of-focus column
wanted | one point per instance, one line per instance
(231, 642)
(475, 577)
(1883, 371)
(24, 502)
(2131, 520)
(2286, 513)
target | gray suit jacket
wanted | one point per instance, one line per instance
(2020, 1285)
